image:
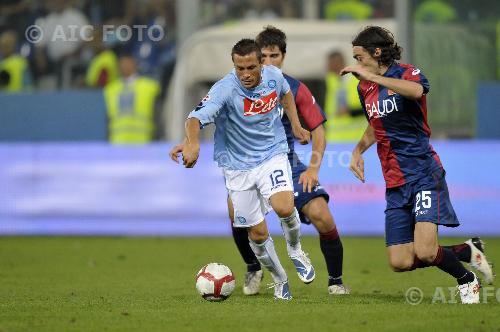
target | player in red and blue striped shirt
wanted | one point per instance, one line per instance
(394, 99)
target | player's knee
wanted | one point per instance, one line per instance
(258, 234)
(401, 264)
(426, 254)
(284, 210)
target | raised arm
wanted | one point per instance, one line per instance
(408, 89)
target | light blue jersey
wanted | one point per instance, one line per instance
(248, 124)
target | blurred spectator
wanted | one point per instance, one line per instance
(14, 15)
(383, 8)
(347, 10)
(132, 105)
(103, 68)
(261, 9)
(435, 11)
(62, 29)
(14, 70)
(498, 49)
(57, 51)
(346, 120)
(101, 12)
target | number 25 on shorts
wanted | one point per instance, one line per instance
(424, 198)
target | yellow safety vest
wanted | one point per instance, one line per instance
(131, 110)
(435, 11)
(16, 67)
(347, 9)
(343, 128)
(106, 60)
(498, 50)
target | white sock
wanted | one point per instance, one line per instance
(266, 254)
(291, 229)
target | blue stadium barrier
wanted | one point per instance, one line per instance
(488, 110)
(99, 189)
(53, 116)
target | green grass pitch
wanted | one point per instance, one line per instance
(147, 284)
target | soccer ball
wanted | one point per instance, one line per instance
(215, 282)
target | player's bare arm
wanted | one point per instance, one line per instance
(405, 88)
(288, 104)
(309, 178)
(357, 165)
(191, 146)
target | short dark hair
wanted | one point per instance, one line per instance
(272, 36)
(374, 36)
(246, 46)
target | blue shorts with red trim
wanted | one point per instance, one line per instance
(426, 199)
(302, 197)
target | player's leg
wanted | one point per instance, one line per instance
(254, 275)
(249, 213)
(276, 186)
(263, 246)
(430, 252)
(432, 207)
(401, 257)
(282, 204)
(472, 252)
(399, 229)
(316, 210)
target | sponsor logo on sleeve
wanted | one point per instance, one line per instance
(200, 105)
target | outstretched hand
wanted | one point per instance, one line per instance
(358, 71)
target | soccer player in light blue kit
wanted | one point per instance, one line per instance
(251, 148)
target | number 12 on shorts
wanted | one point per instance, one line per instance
(425, 198)
(277, 178)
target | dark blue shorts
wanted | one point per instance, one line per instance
(426, 199)
(301, 197)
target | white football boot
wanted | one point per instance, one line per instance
(478, 259)
(339, 290)
(252, 282)
(469, 292)
(303, 266)
(281, 290)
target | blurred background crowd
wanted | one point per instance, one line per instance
(456, 42)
